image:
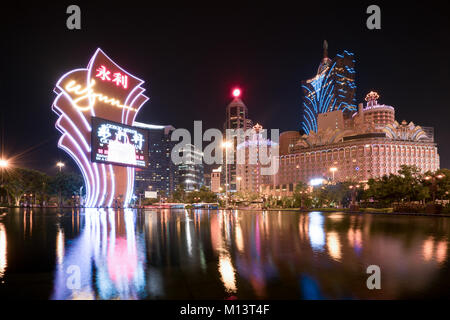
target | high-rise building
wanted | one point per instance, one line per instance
(160, 174)
(332, 88)
(190, 171)
(216, 180)
(236, 118)
(250, 173)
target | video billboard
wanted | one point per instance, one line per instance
(119, 144)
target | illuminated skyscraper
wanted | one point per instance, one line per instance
(190, 171)
(333, 88)
(236, 118)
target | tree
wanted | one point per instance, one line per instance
(65, 185)
(20, 181)
(300, 194)
(202, 195)
(179, 194)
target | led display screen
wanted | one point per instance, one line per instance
(118, 144)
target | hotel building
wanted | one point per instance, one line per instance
(332, 88)
(368, 143)
(256, 169)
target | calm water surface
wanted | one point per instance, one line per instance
(220, 255)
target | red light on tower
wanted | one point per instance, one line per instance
(236, 92)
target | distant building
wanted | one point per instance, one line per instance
(190, 171)
(250, 175)
(216, 178)
(371, 144)
(332, 88)
(288, 139)
(161, 173)
(236, 118)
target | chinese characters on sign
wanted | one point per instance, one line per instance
(118, 78)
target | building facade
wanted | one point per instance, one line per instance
(216, 178)
(255, 172)
(190, 171)
(236, 118)
(161, 174)
(370, 145)
(332, 88)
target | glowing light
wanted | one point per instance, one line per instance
(427, 249)
(89, 95)
(316, 232)
(60, 246)
(372, 96)
(3, 163)
(3, 252)
(227, 273)
(316, 181)
(236, 92)
(60, 165)
(334, 245)
(78, 92)
(226, 144)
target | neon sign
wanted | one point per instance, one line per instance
(118, 78)
(118, 144)
(101, 90)
(91, 96)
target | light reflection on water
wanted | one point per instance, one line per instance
(184, 254)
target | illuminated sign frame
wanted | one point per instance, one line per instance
(103, 89)
(95, 121)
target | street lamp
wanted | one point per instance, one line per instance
(353, 189)
(333, 170)
(433, 183)
(60, 165)
(226, 145)
(3, 165)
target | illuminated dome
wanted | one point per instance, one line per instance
(372, 98)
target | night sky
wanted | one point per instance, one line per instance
(191, 58)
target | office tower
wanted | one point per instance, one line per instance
(190, 171)
(236, 118)
(161, 175)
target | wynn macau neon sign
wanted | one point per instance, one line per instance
(102, 90)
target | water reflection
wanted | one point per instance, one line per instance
(181, 254)
(316, 231)
(108, 256)
(3, 257)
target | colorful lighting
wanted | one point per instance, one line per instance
(236, 92)
(3, 163)
(316, 181)
(118, 96)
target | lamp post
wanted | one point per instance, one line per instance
(333, 170)
(433, 183)
(3, 165)
(60, 165)
(353, 191)
(226, 145)
(239, 182)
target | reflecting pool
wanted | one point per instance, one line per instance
(214, 254)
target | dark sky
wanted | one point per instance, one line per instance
(191, 57)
